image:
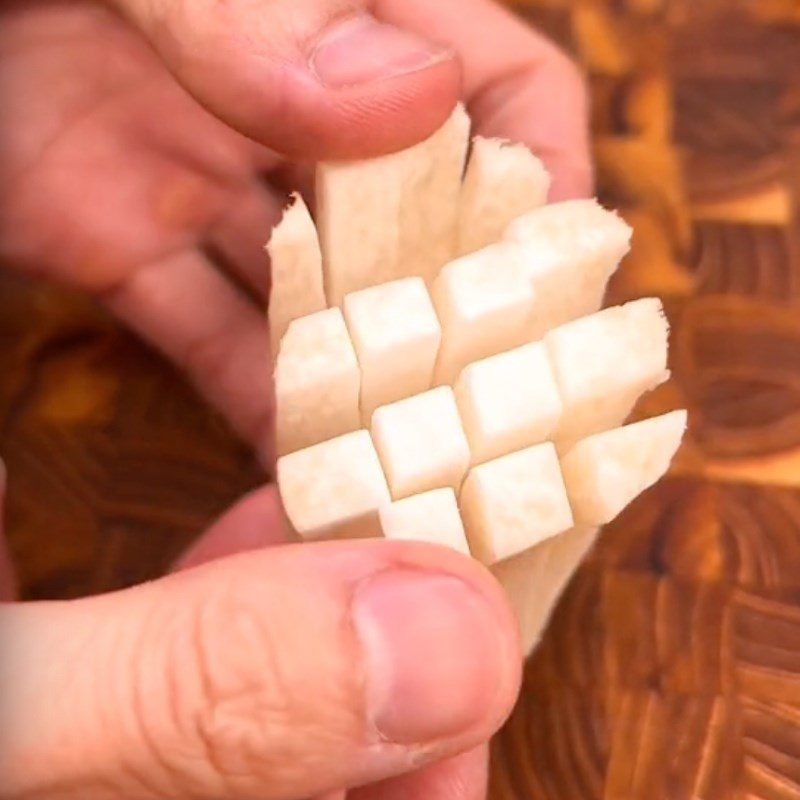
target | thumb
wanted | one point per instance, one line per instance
(309, 78)
(281, 673)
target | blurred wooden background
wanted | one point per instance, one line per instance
(672, 669)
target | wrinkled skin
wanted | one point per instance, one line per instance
(117, 180)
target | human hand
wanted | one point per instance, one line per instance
(117, 180)
(275, 674)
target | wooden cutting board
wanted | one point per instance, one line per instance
(672, 668)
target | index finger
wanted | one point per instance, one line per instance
(518, 84)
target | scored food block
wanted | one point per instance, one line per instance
(421, 443)
(605, 362)
(430, 517)
(484, 302)
(295, 269)
(334, 488)
(508, 402)
(396, 336)
(605, 472)
(503, 181)
(571, 249)
(317, 382)
(475, 467)
(514, 502)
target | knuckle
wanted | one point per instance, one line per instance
(211, 701)
(246, 697)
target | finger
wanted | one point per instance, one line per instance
(296, 176)
(8, 584)
(462, 777)
(311, 78)
(239, 237)
(286, 672)
(187, 309)
(519, 85)
(256, 521)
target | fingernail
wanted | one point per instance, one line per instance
(360, 50)
(433, 653)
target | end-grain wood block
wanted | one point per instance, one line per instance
(605, 472)
(317, 382)
(429, 517)
(508, 402)
(421, 443)
(514, 502)
(334, 488)
(503, 181)
(571, 249)
(603, 364)
(484, 302)
(396, 336)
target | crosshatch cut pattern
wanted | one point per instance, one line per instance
(672, 668)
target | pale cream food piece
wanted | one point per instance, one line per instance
(394, 216)
(535, 579)
(603, 364)
(334, 488)
(503, 181)
(514, 502)
(508, 402)
(421, 443)
(317, 382)
(429, 517)
(396, 335)
(570, 249)
(295, 269)
(607, 471)
(484, 303)
(431, 186)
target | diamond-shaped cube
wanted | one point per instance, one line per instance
(396, 336)
(514, 502)
(316, 382)
(334, 488)
(484, 302)
(430, 517)
(508, 402)
(421, 443)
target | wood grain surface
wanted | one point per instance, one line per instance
(672, 668)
